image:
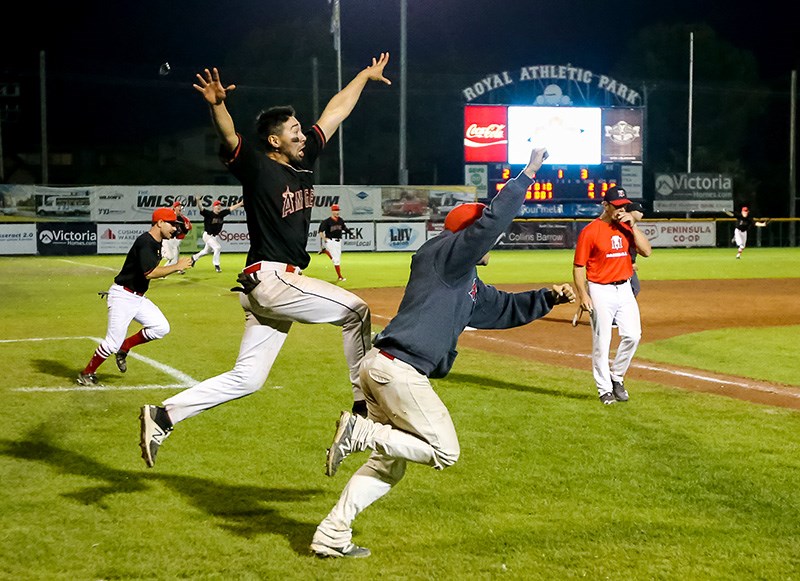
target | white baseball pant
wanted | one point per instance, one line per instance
(212, 244)
(613, 304)
(740, 238)
(334, 247)
(279, 300)
(124, 307)
(407, 423)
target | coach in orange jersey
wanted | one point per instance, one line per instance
(602, 271)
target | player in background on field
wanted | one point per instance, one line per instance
(171, 248)
(407, 421)
(743, 224)
(330, 238)
(126, 300)
(278, 193)
(213, 220)
(602, 270)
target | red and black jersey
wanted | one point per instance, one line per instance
(143, 257)
(182, 227)
(334, 228)
(278, 200)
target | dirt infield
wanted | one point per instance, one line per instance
(669, 308)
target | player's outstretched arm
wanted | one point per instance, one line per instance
(236, 206)
(214, 92)
(341, 105)
(538, 155)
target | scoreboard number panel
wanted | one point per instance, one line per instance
(557, 184)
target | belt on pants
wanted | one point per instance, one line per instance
(265, 265)
(618, 282)
(391, 357)
(130, 290)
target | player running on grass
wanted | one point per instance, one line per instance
(126, 300)
(278, 195)
(407, 421)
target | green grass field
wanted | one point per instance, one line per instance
(550, 484)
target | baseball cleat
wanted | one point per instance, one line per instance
(618, 390)
(152, 432)
(342, 444)
(121, 358)
(217, 268)
(351, 550)
(88, 379)
(607, 398)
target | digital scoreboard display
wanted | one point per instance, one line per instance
(569, 183)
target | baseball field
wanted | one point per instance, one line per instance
(696, 477)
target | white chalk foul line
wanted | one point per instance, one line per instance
(183, 379)
(693, 375)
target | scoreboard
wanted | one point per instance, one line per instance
(569, 183)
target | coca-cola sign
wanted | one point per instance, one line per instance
(485, 133)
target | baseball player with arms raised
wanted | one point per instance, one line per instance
(171, 248)
(743, 224)
(278, 193)
(407, 421)
(330, 233)
(602, 271)
(213, 220)
(126, 300)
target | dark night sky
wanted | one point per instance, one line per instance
(489, 32)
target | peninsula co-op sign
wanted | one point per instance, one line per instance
(553, 73)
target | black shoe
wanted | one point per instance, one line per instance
(608, 398)
(217, 268)
(360, 408)
(618, 390)
(121, 358)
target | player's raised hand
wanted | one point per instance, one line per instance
(208, 83)
(538, 155)
(375, 70)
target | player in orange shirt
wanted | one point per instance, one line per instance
(602, 271)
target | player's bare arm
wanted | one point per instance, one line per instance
(236, 206)
(579, 279)
(214, 92)
(643, 247)
(343, 102)
(184, 263)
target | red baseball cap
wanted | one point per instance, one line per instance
(176, 203)
(216, 203)
(165, 214)
(463, 215)
(335, 207)
(745, 209)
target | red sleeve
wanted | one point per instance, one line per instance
(584, 246)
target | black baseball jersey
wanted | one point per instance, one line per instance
(743, 223)
(212, 222)
(278, 200)
(143, 257)
(333, 228)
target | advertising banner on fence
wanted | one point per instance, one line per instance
(136, 203)
(529, 235)
(693, 192)
(66, 238)
(118, 238)
(17, 238)
(399, 236)
(362, 238)
(680, 234)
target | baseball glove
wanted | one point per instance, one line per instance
(248, 282)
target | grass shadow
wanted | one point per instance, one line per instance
(489, 382)
(56, 369)
(243, 510)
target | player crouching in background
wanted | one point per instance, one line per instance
(126, 300)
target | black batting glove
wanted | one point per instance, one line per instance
(248, 282)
